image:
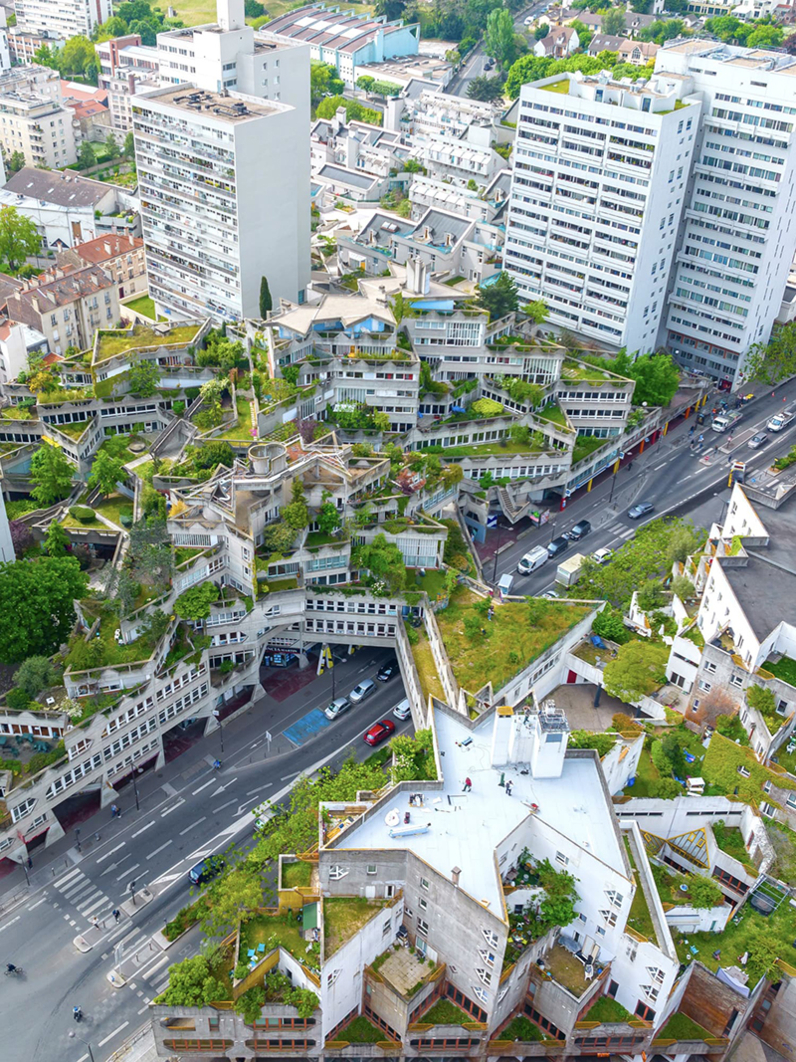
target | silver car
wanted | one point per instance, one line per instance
(362, 690)
(337, 707)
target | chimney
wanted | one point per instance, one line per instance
(455, 876)
(107, 247)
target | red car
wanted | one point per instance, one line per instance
(379, 731)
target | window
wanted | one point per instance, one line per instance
(490, 937)
(385, 929)
(609, 917)
(743, 771)
(650, 992)
(336, 872)
(487, 956)
(562, 859)
(614, 898)
(424, 883)
(736, 680)
(484, 975)
(371, 868)
(656, 974)
(482, 994)
(423, 905)
(705, 686)
(644, 1012)
(422, 927)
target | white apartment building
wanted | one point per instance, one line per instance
(66, 18)
(224, 181)
(738, 235)
(39, 127)
(229, 54)
(600, 173)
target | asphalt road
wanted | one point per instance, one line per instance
(667, 475)
(187, 810)
(473, 65)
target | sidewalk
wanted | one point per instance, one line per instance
(140, 1047)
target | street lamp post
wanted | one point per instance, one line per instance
(135, 789)
(77, 839)
(217, 716)
(73, 1036)
(497, 551)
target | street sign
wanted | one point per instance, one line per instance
(492, 521)
(568, 494)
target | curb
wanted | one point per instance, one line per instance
(116, 979)
(142, 898)
(82, 944)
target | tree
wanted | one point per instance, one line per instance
(51, 473)
(15, 163)
(775, 360)
(56, 541)
(21, 537)
(608, 624)
(765, 37)
(18, 237)
(499, 36)
(638, 669)
(129, 146)
(486, 89)
(541, 32)
(266, 303)
(383, 560)
(35, 674)
(250, 1004)
(328, 518)
(704, 892)
(232, 899)
(106, 472)
(143, 377)
(295, 513)
(191, 984)
(499, 298)
(683, 587)
(391, 10)
(560, 896)
(279, 537)
(37, 609)
(365, 82)
(194, 603)
(113, 27)
(212, 454)
(77, 58)
(253, 8)
(613, 23)
(86, 157)
(537, 311)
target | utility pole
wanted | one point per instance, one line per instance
(73, 1036)
(135, 790)
(132, 892)
(217, 717)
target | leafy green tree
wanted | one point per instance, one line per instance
(383, 560)
(499, 36)
(212, 454)
(537, 311)
(486, 89)
(584, 33)
(113, 27)
(192, 984)
(56, 541)
(37, 605)
(499, 298)
(638, 669)
(15, 163)
(365, 82)
(560, 896)
(231, 899)
(354, 111)
(51, 473)
(129, 146)
(143, 376)
(704, 892)
(106, 471)
(391, 10)
(194, 603)
(86, 157)
(250, 1004)
(76, 57)
(328, 518)
(279, 537)
(773, 361)
(112, 146)
(18, 237)
(613, 23)
(295, 513)
(35, 674)
(608, 624)
(266, 302)
(683, 587)
(253, 8)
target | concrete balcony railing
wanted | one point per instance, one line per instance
(520, 1049)
(381, 1049)
(711, 1045)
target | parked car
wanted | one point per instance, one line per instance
(362, 690)
(207, 869)
(378, 732)
(557, 546)
(532, 560)
(580, 530)
(550, 595)
(761, 439)
(337, 707)
(640, 510)
(505, 583)
(780, 421)
(403, 709)
(387, 670)
(602, 556)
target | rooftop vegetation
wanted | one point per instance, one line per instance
(681, 1027)
(119, 342)
(344, 916)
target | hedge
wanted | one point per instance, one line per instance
(82, 513)
(720, 768)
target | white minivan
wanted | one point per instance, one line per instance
(532, 560)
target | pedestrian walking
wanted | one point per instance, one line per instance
(116, 915)
(114, 811)
(30, 863)
(95, 922)
(509, 786)
(77, 1013)
(468, 785)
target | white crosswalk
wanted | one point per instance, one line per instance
(619, 530)
(84, 896)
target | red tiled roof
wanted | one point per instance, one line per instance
(103, 248)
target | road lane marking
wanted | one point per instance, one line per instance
(193, 825)
(116, 849)
(66, 877)
(33, 906)
(115, 1032)
(174, 807)
(158, 850)
(229, 803)
(127, 873)
(201, 787)
(152, 823)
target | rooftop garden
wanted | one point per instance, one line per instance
(344, 916)
(784, 668)
(585, 445)
(762, 938)
(501, 448)
(143, 305)
(607, 1010)
(103, 650)
(296, 875)
(575, 370)
(241, 430)
(686, 890)
(730, 840)
(555, 414)
(119, 342)
(523, 1030)
(566, 969)
(73, 430)
(445, 1012)
(274, 931)
(430, 682)
(681, 1027)
(561, 86)
(116, 508)
(361, 1031)
(481, 650)
(639, 919)
(84, 518)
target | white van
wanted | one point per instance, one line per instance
(532, 560)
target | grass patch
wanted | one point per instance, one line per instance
(510, 643)
(607, 1010)
(273, 931)
(361, 1031)
(494, 449)
(730, 840)
(143, 304)
(558, 86)
(290, 582)
(296, 875)
(186, 553)
(430, 682)
(445, 1013)
(141, 336)
(15, 509)
(433, 582)
(242, 430)
(343, 917)
(585, 445)
(681, 1027)
(522, 1029)
(113, 506)
(73, 430)
(554, 413)
(640, 918)
(69, 521)
(318, 538)
(784, 669)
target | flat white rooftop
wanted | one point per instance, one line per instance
(465, 828)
